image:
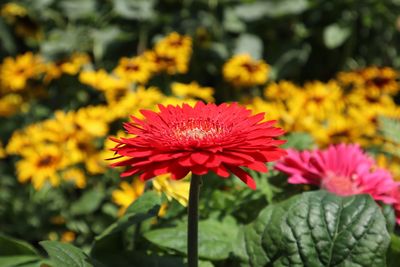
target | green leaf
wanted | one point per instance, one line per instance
(66, 255)
(317, 229)
(110, 240)
(249, 44)
(12, 247)
(390, 216)
(299, 140)
(215, 239)
(390, 129)
(273, 9)
(335, 35)
(232, 22)
(394, 251)
(7, 39)
(138, 258)
(19, 260)
(102, 38)
(138, 9)
(88, 203)
(143, 208)
(78, 9)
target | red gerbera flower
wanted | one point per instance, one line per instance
(199, 139)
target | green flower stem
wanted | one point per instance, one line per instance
(193, 219)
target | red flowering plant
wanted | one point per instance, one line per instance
(207, 137)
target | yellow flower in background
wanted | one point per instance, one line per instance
(24, 25)
(322, 99)
(283, 90)
(391, 163)
(3, 153)
(174, 44)
(70, 66)
(12, 10)
(75, 63)
(15, 73)
(93, 119)
(243, 71)
(135, 100)
(383, 79)
(41, 165)
(68, 237)
(192, 90)
(127, 194)
(173, 189)
(76, 176)
(11, 104)
(171, 54)
(101, 80)
(135, 69)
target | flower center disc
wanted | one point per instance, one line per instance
(338, 184)
(198, 130)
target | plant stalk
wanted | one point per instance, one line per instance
(193, 219)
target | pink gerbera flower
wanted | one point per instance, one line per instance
(342, 169)
(199, 139)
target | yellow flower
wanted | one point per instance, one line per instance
(193, 90)
(24, 26)
(127, 194)
(11, 104)
(41, 165)
(391, 163)
(2, 151)
(173, 189)
(93, 119)
(135, 100)
(70, 66)
(322, 99)
(68, 237)
(12, 10)
(73, 66)
(383, 79)
(101, 80)
(243, 71)
(283, 90)
(135, 69)
(76, 176)
(171, 54)
(15, 73)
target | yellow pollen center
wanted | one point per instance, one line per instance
(197, 130)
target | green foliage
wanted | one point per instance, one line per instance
(15, 252)
(317, 229)
(299, 141)
(215, 239)
(390, 129)
(65, 255)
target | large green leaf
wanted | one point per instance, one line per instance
(145, 207)
(88, 203)
(335, 35)
(139, 9)
(20, 261)
(66, 255)
(317, 229)
(260, 9)
(215, 239)
(249, 44)
(110, 240)
(11, 247)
